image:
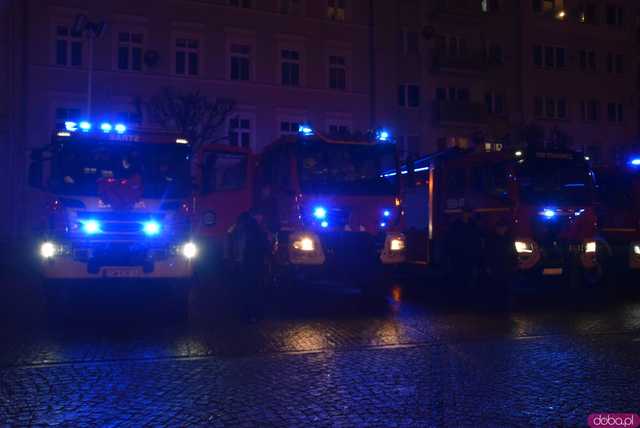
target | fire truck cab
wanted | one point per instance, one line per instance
(330, 205)
(548, 196)
(619, 215)
(118, 204)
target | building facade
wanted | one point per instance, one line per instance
(437, 73)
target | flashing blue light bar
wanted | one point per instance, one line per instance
(120, 128)
(106, 127)
(635, 162)
(324, 224)
(548, 213)
(151, 228)
(320, 213)
(383, 136)
(383, 224)
(70, 126)
(85, 126)
(91, 227)
(305, 130)
(386, 213)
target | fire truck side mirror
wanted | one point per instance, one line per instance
(36, 175)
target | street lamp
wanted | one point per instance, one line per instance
(91, 30)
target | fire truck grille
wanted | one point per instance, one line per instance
(351, 250)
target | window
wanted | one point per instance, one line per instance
(457, 47)
(615, 63)
(453, 94)
(187, 56)
(615, 112)
(409, 42)
(550, 107)
(587, 60)
(290, 67)
(494, 103)
(240, 132)
(589, 110)
(488, 6)
(409, 95)
(68, 46)
(494, 54)
(549, 56)
(548, 6)
(588, 13)
(64, 114)
(291, 7)
(615, 16)
(289, 127)
(246, 4)
(336, 9)
(130, 47)
(240, 62)
(337, 73)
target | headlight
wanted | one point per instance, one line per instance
(524, 247)
(189, 250)
(590, 247)
(397, 244)
(304, 243)
(48, 250)
(636, 249)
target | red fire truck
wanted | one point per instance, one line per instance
(619, 216)
(330, 205)
(224, 176)
(119, 204)
(548, 196)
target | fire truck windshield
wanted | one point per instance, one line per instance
(346, 168)
(556, 181)
(163, 169)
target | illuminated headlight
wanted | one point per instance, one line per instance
(590, 247)
(397, 243)
(91, 227)
(189, 250)
(304, 243)
(636, 249)
(48, 250)
(151, 228)
(523, 247)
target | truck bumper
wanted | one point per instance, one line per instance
(67, 268)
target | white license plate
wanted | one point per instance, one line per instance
(122, 272)
(552, 271)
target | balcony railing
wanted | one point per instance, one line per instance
(452, 112)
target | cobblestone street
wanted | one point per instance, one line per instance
(320, 357)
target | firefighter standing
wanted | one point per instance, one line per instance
(464, 250)
(501, 263)
(248, 250)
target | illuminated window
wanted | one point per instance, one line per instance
(240, 62)
(130, 48)
(336, 9)
(337, 73)
(187, 56)
(548, 6)
(290, 67)
(68, 46)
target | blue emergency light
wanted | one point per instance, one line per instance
(151, 228)
(383, 136)
(91, 227)
(85, 126)
(106, 127)
(305, 130)
(120, 128)
(320, 213)
(635, 162)
(548, 213)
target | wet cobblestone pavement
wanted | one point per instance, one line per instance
(318, 358)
